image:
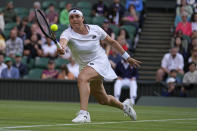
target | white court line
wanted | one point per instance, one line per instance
(98, 123)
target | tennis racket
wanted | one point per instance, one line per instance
(44, 26)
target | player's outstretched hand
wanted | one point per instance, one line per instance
(134, 62)
(60, 51)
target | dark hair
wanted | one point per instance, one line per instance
(193, 15)
(190, 63)
(127, 34)
(130, 6)
(173, 70)
(65, 68)
(2, 54)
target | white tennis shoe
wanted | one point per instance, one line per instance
(82, 117)
(128, 109)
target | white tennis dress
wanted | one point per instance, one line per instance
(86, 50)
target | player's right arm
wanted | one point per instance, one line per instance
(63, 43)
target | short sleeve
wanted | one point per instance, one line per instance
(164, 61)
(103, 34)
(65, 34)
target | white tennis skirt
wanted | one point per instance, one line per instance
(103, 67)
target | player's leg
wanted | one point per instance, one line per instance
(98, 91)
(85, 76)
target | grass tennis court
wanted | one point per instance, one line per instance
(57, 116)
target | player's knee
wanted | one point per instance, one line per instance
(82, 78)
(104, 101)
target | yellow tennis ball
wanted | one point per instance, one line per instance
(54, 27)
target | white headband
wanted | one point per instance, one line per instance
(75, 12)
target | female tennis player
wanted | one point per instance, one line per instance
(84, 42)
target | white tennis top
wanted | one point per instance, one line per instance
(86, 50)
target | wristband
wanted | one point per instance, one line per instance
(125, 55)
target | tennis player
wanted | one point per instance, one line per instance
(84, 42)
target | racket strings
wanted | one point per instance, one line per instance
(43, 23)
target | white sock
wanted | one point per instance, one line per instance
(82, 111)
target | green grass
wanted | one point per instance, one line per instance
(50, 114)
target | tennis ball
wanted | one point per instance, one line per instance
(54, 27)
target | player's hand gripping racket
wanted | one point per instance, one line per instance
(44, 26)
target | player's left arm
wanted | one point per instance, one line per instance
(118, 47)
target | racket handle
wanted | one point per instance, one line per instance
(58, 45)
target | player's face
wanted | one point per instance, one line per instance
(76, 20)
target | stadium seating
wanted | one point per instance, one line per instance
(84, 5)
(62, 4)
(86, 12)
(21, 11)
(29, 63)
(41, 62)
(10, 26)
(60, 61)
(130, 29)
(46, 4)
(114, 28)
(98, 20)
(88, 19)
(34, 74)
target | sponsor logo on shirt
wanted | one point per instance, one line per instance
(94, 36)
(91, 63)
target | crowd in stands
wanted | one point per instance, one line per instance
(26, 53)
(179, 65)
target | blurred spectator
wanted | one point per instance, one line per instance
(23, 28)
(14, 44)
(122, 41)
(131, 17)
(184, 26)
(31, 17)
(127, 76)
(178, 17)
(2, 64)
(186, 7)
(2, 22)
(172, 60)
(34, 30)
(64, 19)
(171, 82)
(49, 49)
(189, 79)
(2, 42)
(50, 73)
(181, 44)
(123, 33)
(137, 3)
(114, 58)
(65, 74)
(9, 13)
(33, 49)
(116, 12)
(99, 9)
(19, 65)
(73, 67)
(110, 32)
(10, 71)
(193, 57)
(52, 15)
(194, 22)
